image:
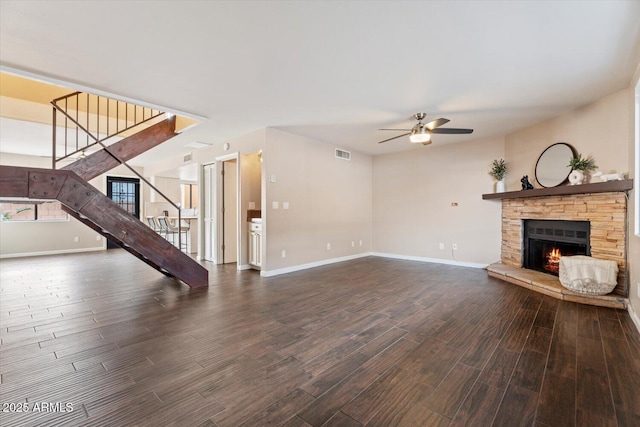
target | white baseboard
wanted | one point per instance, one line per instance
(634, 316)
(433, 260)
(56, 252)
(299, 267)
(244, 267)
(291, 269)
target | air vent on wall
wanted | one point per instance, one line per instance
(341, 154)
(187, 157)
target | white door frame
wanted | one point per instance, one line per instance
(204, 198)
(240, 242)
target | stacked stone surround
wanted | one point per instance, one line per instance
(607, 213)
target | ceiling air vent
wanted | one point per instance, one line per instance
(187, 157)
(341, 154)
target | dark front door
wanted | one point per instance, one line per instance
(125, 192)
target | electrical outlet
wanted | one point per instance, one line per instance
(97, 237)
(360, 242)
(454, 247)
(76, 239)
(284, 253)
(328, 246)
(441, 246)
(353, 243)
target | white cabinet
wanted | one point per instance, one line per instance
(255, 244)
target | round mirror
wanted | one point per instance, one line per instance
(552, 167)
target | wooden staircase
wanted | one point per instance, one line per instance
(87, 204)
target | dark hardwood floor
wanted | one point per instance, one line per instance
(374, 342)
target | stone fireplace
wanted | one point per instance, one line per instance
(605, 214)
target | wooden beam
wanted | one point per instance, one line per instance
(100, 162)
(563, 190)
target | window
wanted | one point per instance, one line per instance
(29, 211)
(189, 196)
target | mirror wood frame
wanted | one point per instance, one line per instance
(571, 152)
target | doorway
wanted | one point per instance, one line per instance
(229, 211)
(125, 192)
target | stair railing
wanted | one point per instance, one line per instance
(78, 123)
(98, 116)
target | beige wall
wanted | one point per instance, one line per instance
(600, 129)
(413, 192)
(329, 198)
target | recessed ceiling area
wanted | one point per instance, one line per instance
(333, 71)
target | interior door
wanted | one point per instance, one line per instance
(125, 192)
(230, 211)
(209, 205)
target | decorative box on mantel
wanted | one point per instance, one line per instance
(604, 205)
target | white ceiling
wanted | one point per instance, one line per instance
(333, 70)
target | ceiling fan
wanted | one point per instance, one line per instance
(420, 133)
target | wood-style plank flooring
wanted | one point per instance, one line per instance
(374, 341)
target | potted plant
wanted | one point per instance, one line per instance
(580, 166)
(498, 171)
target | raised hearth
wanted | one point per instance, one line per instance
(550, 285)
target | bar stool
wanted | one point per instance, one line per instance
(153, 224)
(169, 229)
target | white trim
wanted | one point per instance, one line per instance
(56, 252)
(220, 204)
(433, 260)
(299, 267)
(634, 316)
(232, 156)
(242, 267)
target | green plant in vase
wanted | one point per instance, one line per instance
(498, 171)
(580, 167)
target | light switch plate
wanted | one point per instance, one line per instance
(275, 205)
(272, 178)
(252, 205)
(285, 205)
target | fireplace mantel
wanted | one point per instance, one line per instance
(598, 187)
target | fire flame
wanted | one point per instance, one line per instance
(553, 260)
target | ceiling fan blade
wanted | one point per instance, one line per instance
(398, 130)
(395, 137)
(451, 131)
(436, 123)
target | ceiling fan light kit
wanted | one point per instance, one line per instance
(420, 133)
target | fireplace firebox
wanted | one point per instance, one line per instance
(546, 241)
